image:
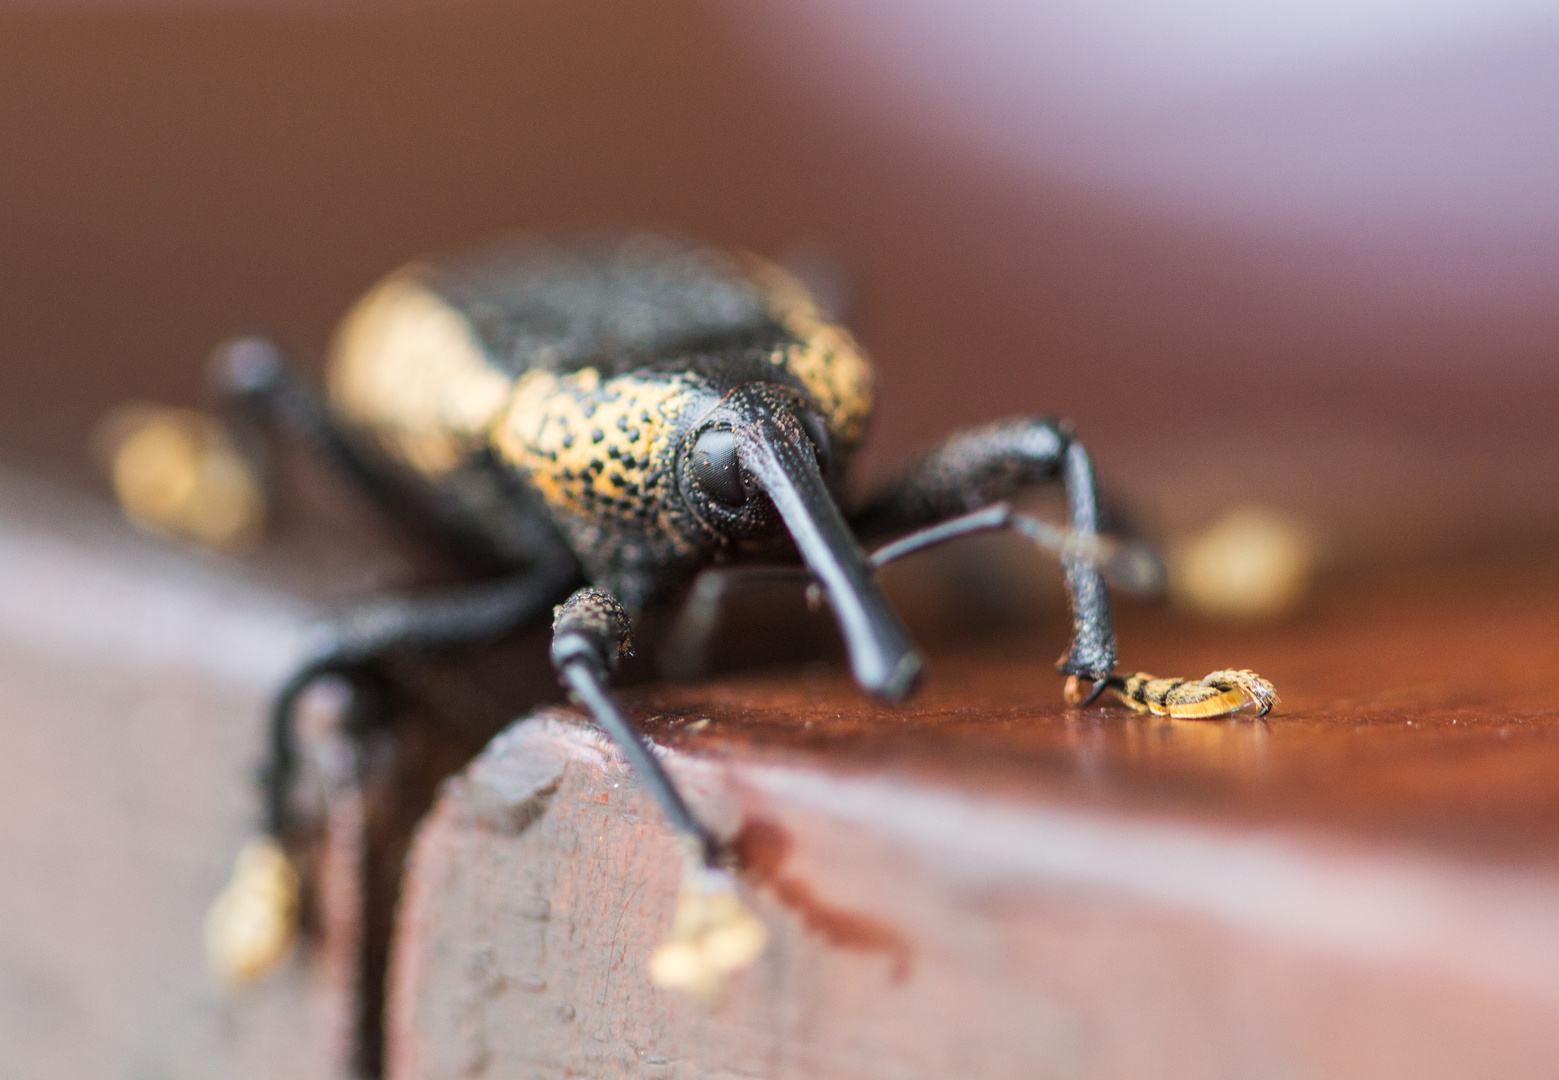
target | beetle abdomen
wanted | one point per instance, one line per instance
(428, 361)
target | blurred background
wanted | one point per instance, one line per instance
(1302, 256)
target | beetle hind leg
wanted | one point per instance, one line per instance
(252, 927)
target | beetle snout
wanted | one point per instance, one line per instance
(776, 454)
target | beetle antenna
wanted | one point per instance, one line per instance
(1128, 565)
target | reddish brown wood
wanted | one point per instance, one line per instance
(1420, 707)
(983, 883)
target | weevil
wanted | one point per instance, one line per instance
(605, 427)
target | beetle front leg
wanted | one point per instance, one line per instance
(973, 469)
(589, 633)
(1092, 653)
(713, 934)
(1131, 565)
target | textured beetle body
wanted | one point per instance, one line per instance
(577, 375)
(631, 414)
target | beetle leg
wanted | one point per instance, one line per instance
(1130, 565)
(350, 642)
(259, 388)
(1220, 694)
(685, 655)
(253, 934)
(972, 469)
(1125, 564)
(589, 633)
(713, 934)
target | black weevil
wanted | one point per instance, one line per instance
(601, 425)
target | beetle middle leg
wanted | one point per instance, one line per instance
(352, 644)
(353, 641)
(253, 923)
(1126, 564)
(685, 655)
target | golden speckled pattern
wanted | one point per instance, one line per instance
(596, 448)
(405, 365)
(826, 358)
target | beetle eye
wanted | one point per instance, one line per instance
(817, 431)
(715, 469)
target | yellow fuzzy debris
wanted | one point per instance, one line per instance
(1249, 564)
(714, 934)
(252, 924)
(174, 472)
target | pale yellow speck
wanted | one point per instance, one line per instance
(1251, 563)
(175, 472)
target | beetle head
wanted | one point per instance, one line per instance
(757, 460)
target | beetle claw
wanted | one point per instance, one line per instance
(1073, 694)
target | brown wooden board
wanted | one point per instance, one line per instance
(982, 882)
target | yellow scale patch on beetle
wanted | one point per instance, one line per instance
(826, 359)
(592, 446)
(407, 366)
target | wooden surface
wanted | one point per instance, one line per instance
(133, 688)
(1420, 708)
(976, 883)
(983, 883)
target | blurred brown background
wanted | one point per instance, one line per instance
(172, 174)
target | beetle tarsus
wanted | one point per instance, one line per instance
(1073, 694)
(1219, 694)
